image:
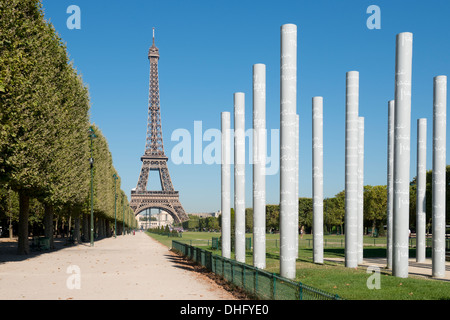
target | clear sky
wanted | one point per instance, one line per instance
(207, 50)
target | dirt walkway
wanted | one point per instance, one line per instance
(126, 267)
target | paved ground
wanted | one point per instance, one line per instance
(126, 267)
(416, 269)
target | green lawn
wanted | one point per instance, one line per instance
(333, 277)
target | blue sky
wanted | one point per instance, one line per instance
(207, 52)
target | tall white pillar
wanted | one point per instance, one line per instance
(288, 110)
(360, 228)
(317, 145)
(351, 169)
(439, 172)
(390, 183)
(402, 139)
(239, 175)
(259, 165)
(421, 189)
(226, 185)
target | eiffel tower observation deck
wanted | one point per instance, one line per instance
(154, 158)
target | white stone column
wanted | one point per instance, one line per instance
(351, 169)
(288, 110)
(239, 175)
(360, 228)
(421, 189)
(226, 185)
(402, 139)
(439, 172)
(317, 186)
(390, 183)
(259, 165)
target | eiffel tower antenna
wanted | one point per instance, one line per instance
(154, 158)
(153, 35)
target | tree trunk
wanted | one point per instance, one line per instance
(108, 229)
(76, 230)
(10, 215)
(85, 228)
(94, 227)
(48, 223)
(23, 246)
(69, 221)
(100, 228)
(63, 230)
(103, 228)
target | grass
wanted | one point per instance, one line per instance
(334, 277)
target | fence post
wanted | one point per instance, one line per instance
(300, 291)
(243, 277)
(274, 287)
(256, 281)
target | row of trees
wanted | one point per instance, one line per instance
(202, 224)
(165, 230)
(44, 123)
(375, 211)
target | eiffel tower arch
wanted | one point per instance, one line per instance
(154, 158)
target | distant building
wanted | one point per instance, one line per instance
(206, 214)
(155, 221)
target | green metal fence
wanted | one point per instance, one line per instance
(262, 284)
(217, 243)
(340, 242)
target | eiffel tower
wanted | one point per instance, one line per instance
(154, 157)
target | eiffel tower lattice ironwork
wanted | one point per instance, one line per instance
(154, 157)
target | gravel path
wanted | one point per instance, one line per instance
(127, 267)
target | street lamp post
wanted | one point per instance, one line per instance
(123, 219)
(115, 201)
(91, 162)
(128, 219)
